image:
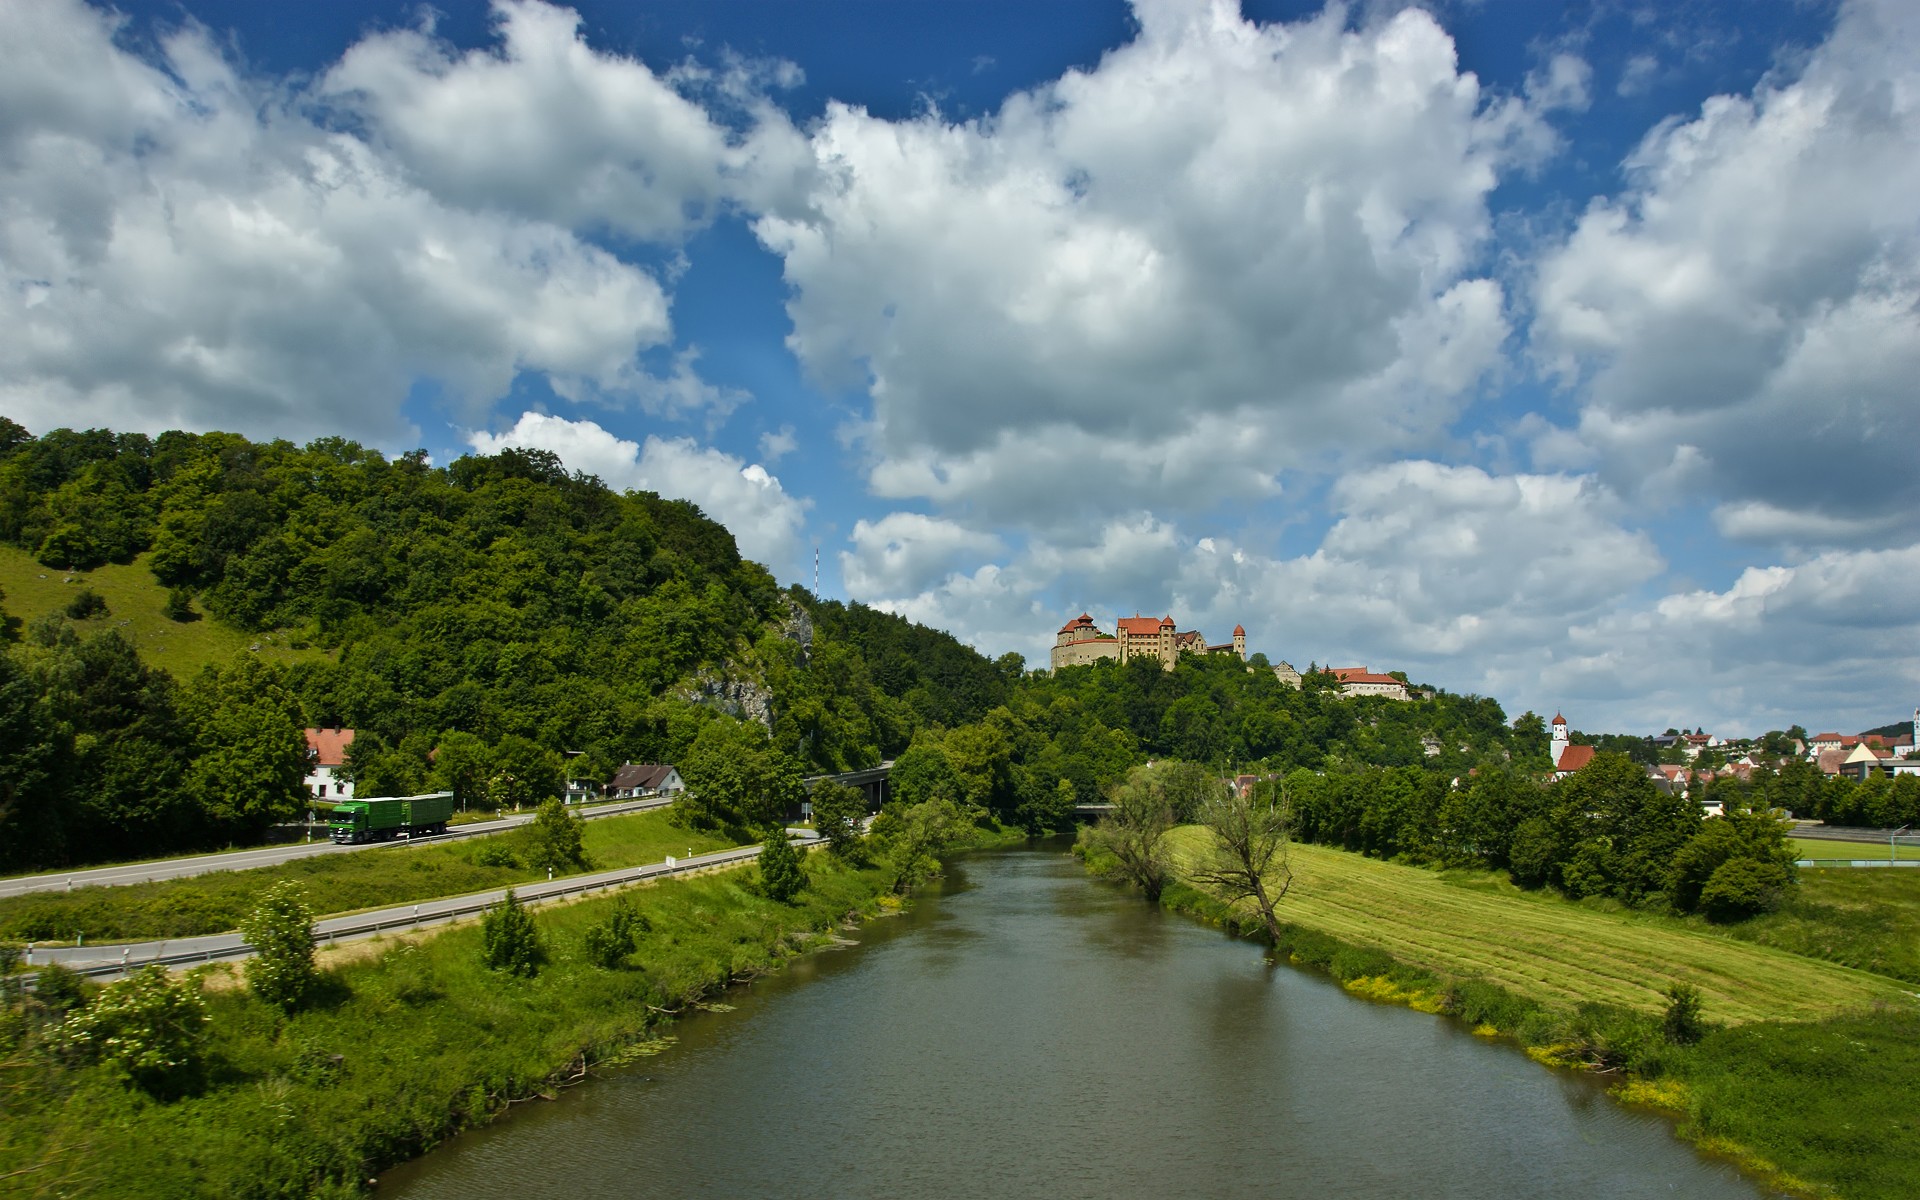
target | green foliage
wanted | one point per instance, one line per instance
(179, 605)
(61, 989)
(838, 813)
(1683, 1024)
(607, 943)
(250, 754)
(510, 941)
(781, 875)
(151, 1026)
(737, 777)
(1743, 887)
(1755, 836)
(911, 838)
(86, 605)
(280, 930)
(554, 839)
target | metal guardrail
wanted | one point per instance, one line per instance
(539, 892)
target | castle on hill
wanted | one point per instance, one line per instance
(1080, 641)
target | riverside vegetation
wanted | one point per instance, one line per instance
(476, 621)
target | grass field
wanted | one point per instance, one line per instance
(1553, 951)
(1868, 919)
(1827, 848)
(135, 603)
(335, 883)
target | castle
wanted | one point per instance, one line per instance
(1080, 641)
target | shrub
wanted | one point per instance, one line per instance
(509, 940)
(61, 989)
(86, 604)
(494, 852)
(607, 943)
(1743, 887)
(838, 811)
(781, 877)
(179, 605)
(280, 929)
(553, 840)
(1683, 1025)
(151, 1026)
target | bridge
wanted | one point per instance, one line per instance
(872, 781)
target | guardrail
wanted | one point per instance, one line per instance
(539, 892)
(1856, 862)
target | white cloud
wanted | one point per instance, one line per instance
(904, 552)
(1752, 303)
(777, 444)
(542, 125)
(182, 245)
(765, 521)
(1638, 75)
(1225, 250)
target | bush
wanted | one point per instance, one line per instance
(494, 852)
(179, 605)
(509, 940)
(86, 604)
(781, 876)
(152, 1026)
(1683, 1025)
(553, 840)
(280, 929)
(1743, 887)
(61, 989)
(838, 811)
(607, 943)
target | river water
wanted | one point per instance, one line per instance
(1026, 1032)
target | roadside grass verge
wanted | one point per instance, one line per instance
(407, 1048)
(1817, 848)
(1546, 949)
(335, 883)
(136, 607)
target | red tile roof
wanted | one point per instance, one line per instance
(1141, 626)
(329, 746)
(1239, 631)
(1558, 719)
(1575, 758)
(1083, 621)
(1360, 675)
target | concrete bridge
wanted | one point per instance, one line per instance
(872, 781)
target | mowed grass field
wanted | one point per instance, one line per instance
(1554, 951)
(1828, 848)
(335, 883)
(135, 606)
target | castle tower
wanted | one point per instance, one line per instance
(1558, 746)
(1240, 641)
(1167, 652)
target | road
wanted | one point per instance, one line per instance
(107, 962)
(270, 856)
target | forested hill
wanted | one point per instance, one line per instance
(480, 618)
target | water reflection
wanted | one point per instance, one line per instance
(1024, 1032)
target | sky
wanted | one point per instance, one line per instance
(1560, 354)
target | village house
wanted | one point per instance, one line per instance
(637, 781)
(326, 755)
(1565, 756)
(1359, 681)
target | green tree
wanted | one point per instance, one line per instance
(460, 766)
(913, 836)
(150, 1026)
(1683, 1025)
(737, 777)
(87, 604)
(280, 930)
(554, 839)
(1134, 833)
(607, 942)
(782, 877)
(838, 812)
(250, 751)
(179, 605)
(1247, 859)
(509, 939)
(1743, 887)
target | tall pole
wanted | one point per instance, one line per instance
(816, 572)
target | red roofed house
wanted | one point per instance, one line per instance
(326, 754)
(1562, 753)
(1358, 681)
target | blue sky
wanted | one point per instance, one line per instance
(1560, 354)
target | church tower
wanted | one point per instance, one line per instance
(1558, 746)
(1240, 648)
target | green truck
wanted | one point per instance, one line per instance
(387, 817)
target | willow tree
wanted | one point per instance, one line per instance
(1248, 857)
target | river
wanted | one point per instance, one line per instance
(1024, 1031)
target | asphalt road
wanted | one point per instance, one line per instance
(269, 856)
(110, 961)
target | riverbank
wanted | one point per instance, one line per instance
(406, 1048)
(1817, 1106)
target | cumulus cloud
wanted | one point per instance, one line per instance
(184, 245)
(1225, 250)
(766, 522)
(904, 552)
(1745, 318)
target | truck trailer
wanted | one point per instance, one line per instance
(383, 818)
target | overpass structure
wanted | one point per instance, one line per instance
(872, 781)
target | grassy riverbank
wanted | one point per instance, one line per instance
(1803, 1076)
(335, 883)
(409, 1045)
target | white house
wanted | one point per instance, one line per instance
(326, 754)
(635, 780)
